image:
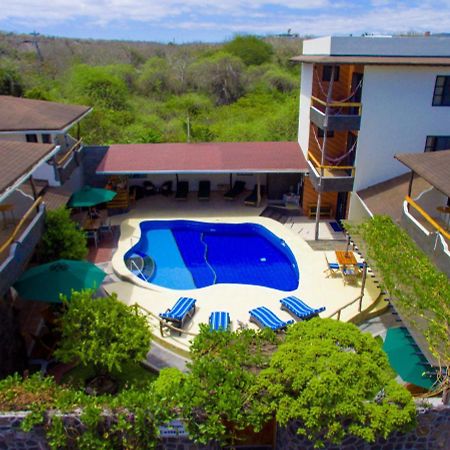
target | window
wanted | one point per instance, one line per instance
(31, 137)
(326, 73)
(441, 95)
(436, 143)
(46, 139)
(320, 133)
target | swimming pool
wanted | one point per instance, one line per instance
(186, 254)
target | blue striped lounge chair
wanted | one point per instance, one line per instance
(181, 312)
(219, 321)
(298, 308)
(265, 318)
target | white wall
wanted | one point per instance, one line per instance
(358, 211)
(305, 106)
(397, 116)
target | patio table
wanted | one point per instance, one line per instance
(346, 258)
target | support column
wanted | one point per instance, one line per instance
(324, 142)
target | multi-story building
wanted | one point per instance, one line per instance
(363, 100)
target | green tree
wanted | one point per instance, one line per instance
(10, 81)
(221, 76)
(102, 332)
(154, 78)
(61, 239)
(334, 381)
(251, 49)
(97, 86)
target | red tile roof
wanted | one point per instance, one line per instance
(210, 157)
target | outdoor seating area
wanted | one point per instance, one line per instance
(299, 309)
(265, 318)
(346, 266)
(180, 313)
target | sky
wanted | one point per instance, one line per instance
(183, 21)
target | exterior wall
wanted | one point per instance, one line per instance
(431, 432)
(357, 212)
(305, 106)
(397, 116)
(377, 46)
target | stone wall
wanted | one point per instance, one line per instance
(431, 433)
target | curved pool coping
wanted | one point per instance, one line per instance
(315, 288)
(123, 272)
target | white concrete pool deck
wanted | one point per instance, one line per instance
(314, 288)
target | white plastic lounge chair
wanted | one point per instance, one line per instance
(219, 321)
(265, 318)
(298, 308)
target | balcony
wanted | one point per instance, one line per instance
(343, 116)
(430, 233)
(334, 178)
(17, 245)
(68, 159)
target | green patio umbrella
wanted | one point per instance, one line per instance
(47, 282)
(90, 196)
(406, 359)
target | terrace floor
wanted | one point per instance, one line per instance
(315, 287)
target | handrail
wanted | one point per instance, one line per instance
(427, 217)
(324, 166)
(338, 312)
(337, 104)
(163, 322)
(71, 150)
(17, 228)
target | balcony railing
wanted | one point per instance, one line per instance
(435, 225)
(63, 158)
(19, 246)
(342, 116)
(334, 178)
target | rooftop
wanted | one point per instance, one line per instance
(19, 160)
(21, 114)
(210, 157)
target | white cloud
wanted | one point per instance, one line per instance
(319, 17)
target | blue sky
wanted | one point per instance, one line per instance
(205, 20)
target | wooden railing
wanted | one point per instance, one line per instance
(427, 217)
(337, 104)
(75, 147)
(320, 166)
(339, 311)
(19, 226)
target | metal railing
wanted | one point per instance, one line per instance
(323, 167)
(427, 217)
(337, 104)
(19, 227)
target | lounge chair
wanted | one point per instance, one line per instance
(252, 199)
(204, 189)
(219, 321)
(265, 318)
(333, 268)
(180, 313)
(182, 190)
(237, 189)
(166, 188)
(298, 308)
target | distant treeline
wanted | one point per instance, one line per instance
(244, 89)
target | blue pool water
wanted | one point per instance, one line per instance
(190, 255)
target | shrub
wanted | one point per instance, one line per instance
(251, 50)
(61, 239)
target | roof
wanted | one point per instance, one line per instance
(387, 197)
(22, 114)
(375, 60)
(210, 157)
(431, 166)
(19, 160)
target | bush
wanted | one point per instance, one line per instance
(61, 239)
(251, 50)
(102, 332)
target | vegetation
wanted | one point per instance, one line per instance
(419, 290)
(61, 239)
(103, 333)
(237, 381)
(345, 386)
(141, 92)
